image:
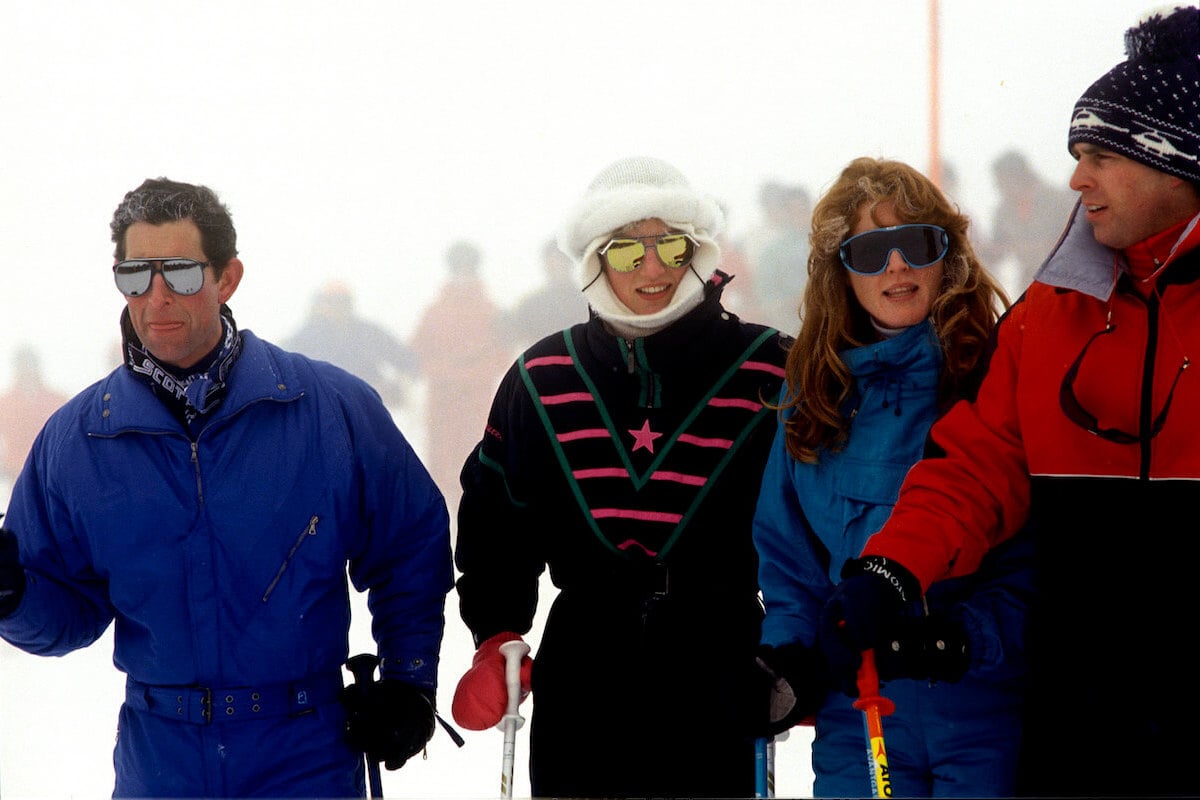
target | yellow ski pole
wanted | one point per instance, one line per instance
(874, 707)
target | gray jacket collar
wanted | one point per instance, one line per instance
(1080, 262)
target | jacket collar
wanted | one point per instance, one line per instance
(262, 372)
(666, 349)
(1081, 263)
(909, 350)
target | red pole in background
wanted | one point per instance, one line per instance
(935, 150)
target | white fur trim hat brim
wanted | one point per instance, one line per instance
(634, 189)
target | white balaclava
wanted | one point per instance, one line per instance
(628, 191)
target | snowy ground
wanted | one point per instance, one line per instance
(58, 721)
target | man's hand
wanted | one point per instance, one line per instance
(873, 593)
(389, 720)
(931, 648)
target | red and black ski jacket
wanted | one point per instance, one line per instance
(1081, 351)
(1085, 430)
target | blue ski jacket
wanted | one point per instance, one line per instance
(812, 518)
(223, 559)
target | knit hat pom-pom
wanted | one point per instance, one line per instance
(1147, 108)
(1164, 35)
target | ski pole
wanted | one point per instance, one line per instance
(362, 667)
(764, 766)
(514, 652)
(874, 707)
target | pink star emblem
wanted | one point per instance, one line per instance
(644, 437)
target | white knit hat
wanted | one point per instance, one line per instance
(628, 191)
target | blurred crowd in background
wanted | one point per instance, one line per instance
(439, 379)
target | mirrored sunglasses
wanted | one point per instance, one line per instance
(920, 245)
(182, 275)
(674, 250)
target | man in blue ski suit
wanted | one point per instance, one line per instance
(208, 496)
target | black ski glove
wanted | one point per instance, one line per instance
(873, 593)
(12, 575)
(794, 684)
(389, 720)
(925, 648)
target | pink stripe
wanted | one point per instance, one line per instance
(569, 397)
(628, 543)
(687, 438)
(548, 361)
(630, 513)
(679, 477)
(601, 472)
(734, 402)
(763, 366)
(585, 433)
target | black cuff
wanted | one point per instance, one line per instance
(893, 573)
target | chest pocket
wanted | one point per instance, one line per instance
(867, 492)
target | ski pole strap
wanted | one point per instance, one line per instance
(455, 736)
(201, 705)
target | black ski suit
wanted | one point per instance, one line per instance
(631, 468)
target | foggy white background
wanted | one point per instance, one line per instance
(356, 140)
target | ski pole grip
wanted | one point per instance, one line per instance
(362, 667)
(868, 687)
(514, 653)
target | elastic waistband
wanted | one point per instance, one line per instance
(201, 705)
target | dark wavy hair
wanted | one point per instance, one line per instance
(160, 200)
(832, 320)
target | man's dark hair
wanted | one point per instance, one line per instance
(160, 200)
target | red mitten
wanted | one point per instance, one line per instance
(481, 697)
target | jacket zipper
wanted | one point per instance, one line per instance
(196, 466)
(311, 530)
(649, 386)
(1146, 410)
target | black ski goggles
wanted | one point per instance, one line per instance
(920, 245)
(625, 254)
(182, 275)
